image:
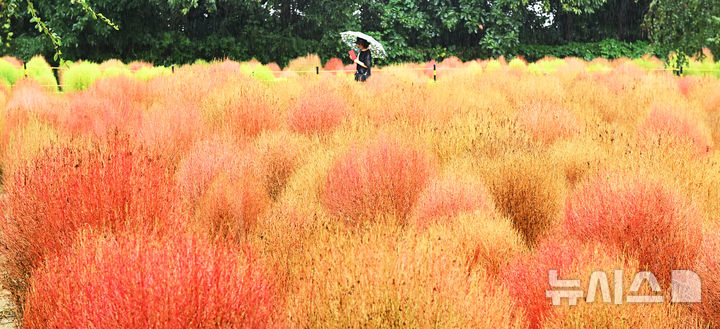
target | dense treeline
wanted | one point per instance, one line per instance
(181, 31)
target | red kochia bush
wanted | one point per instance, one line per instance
(113, 186)
(548, 122)
(447, 198)
(205, 161)
(318, 111)
(140, 281)
(29, 99)
(709, 271)
(222, 188)
(686, 84)
(384, 178)
(109, 104)
(663, 122)
(527, 278)
(642, 218)
(334, 65)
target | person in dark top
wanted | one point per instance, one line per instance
(363, 61)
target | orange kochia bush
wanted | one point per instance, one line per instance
(384, 178)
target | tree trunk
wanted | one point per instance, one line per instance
(621, 15)
(569, 28)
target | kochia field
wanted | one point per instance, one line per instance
(240, 195)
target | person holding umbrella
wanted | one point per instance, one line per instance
(363, 61)
(368, 47)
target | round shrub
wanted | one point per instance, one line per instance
(526, 277)
(447, 198)
(111, 186)
(334, 65)
(389, 277)
(517, 63)
(664, 123)
(708, 269)
(107, 105)
(221, 189)
(257, 71)
(231, 206)
(39, 70)
(385, 177)
(305, 66)
(528, 190)
(279, 155)
(548, 122)
(242, 107)
(10, 72)
(317, 111)
(80, 76)
(206, 160)
(686, 84)
(488, 242)
(596, 314)
(142, 281)
(642, 218)
(29, 99)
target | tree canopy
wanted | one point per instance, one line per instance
(181, 31)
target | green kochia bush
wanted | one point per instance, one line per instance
(80, 76)
(114, 71)
(546, 66)
(39, 70)
(147, 73)
(9, 72)
(704, 68)
(257, 71)
(647, 63)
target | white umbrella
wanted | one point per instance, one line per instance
(376, 49)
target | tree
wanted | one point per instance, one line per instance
(180, 31)
(10, 9)
(684, 27)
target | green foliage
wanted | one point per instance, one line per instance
(80, 76)
(166, 32)
(9, 72)
(39, 70)
(26, 47)
(11, 9)
(610, 49)
(684, 27)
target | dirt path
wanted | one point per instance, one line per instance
(6, 314)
